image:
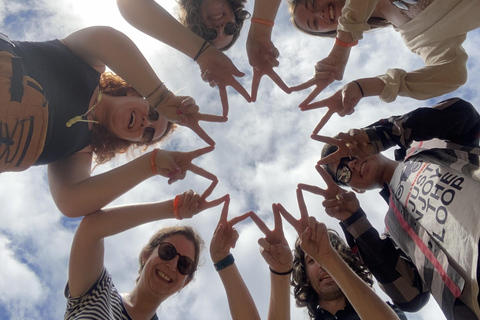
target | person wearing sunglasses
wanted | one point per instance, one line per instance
(95, 115)
(213, 25)
(167, 263)
(432, 194)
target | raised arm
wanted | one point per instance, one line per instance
(87, 252)
(367, 304)
(77, 193)
(240, 301)
(276, 252)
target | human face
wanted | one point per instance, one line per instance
(326, 288)
(163, 277)
(128, 119)
(365, 174)
(216, 14)
(318, 15)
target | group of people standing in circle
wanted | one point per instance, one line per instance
(60, 108)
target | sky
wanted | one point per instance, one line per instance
(261, 154)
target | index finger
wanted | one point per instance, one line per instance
(224, 214)
(236, 220)
(326, 177)
(277, 218)
(257, 76)
(202, 172)
(240, 89)
(259, 222)
(200, 152)
(222, 90)
(301, 204)
(211, 117)
(202, 134)
(290, 219)
(312, 189)
(210, 188)
(323, 121)
(304, 85)
(278, 81)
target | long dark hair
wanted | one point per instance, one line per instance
(305, 295)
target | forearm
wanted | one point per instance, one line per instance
(279, 307)
(240, 301)
(363, 299)
(453, 120)
(76, 193)
(353, 20)
(149, 17)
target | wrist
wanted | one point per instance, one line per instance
(225, 262)
(153, 166)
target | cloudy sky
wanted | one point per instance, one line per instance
(262, 152)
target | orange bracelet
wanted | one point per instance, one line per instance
(345, 44)
(175, 207)
(267, 23)
(153, 167)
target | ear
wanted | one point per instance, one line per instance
(358, 190)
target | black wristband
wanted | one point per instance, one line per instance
(280, 273)
(359, 87)
(225, 262)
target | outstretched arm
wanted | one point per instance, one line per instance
(87, 252)
(367, 304)
(240, 301)
(77, 193)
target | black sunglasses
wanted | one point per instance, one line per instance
(344, 174)
(230, 29)
(149, 132)
(167, 252)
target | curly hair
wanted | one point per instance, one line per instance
(162, 234)
(190, 17)
(375, 23)
(305, 295)
(105, 145)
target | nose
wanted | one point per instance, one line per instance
(351, 164)
(220, 27)
(145, 122)
(173, 263)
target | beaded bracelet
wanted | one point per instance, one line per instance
(153, 167)
(225, 262)
(345, 44)
(176, 202)
(264, 22)
(162, 97)
(280, 273)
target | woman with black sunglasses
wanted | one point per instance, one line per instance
(95, 115)
(167, 263)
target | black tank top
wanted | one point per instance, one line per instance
(69, 83)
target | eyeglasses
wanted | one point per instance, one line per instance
(230, 29)
(167, 252)
(344, 174)
(149, 132)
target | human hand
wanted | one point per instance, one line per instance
(326, 71)
(218, 70)
(338, 203)
(262, 56)
(353, 143)
(176, 108)
(301, 224)
(225, 235)
(191, 203)
(274, 247)
(315, 241)
(175, 164)
(193, 123)
(342, 102)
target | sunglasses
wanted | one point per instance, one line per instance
(230, 29)
(167, 252)
(149, 132)
(344, 174)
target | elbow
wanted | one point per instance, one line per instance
(72, 207)
(416, 304)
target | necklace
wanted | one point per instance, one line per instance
(91, 110)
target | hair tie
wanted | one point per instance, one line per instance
(345, 44)
(280, 273)
(176, 202)
(264, 22)
(359, 87)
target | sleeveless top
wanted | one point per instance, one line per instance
(69, 83)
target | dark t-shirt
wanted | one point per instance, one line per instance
(69, 83)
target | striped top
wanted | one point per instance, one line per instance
(101, 302)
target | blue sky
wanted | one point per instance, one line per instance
(261, 154)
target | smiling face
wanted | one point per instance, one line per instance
(127, 118)
(318, 15)
(216, 14)
(365, 174)
(326, 288)
(162, 277)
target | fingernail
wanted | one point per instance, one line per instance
(338, 197)
(177, 169)
(169, 175)
(179, 112)
(348, 145)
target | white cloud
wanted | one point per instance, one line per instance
(262, 152)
